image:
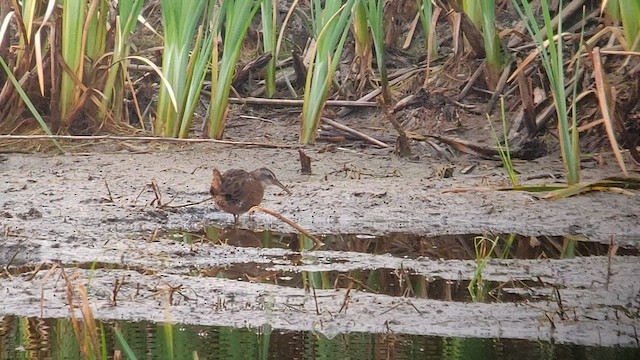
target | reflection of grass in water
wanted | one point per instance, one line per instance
(123, 343)
(90, 338)
(405, 245)
(35, 338)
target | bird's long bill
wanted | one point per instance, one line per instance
(280, 185)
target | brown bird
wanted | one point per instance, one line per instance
(236, 191)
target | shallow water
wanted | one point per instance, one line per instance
(426, 291)
(407, 245)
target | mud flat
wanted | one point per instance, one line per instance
(96, 209)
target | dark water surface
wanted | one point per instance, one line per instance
(32, 338)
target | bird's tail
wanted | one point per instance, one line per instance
(216, 183)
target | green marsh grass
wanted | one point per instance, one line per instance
(205, 43)
(375, 16)
(568, 248)
(492, 43)
(613, 9)
(330, 25)
(552, 60)
(474, 10)
(122, 342)
(506, 250)
(425, 9)
(169, 340)
(362, 45)
(181, 20)
(73, 46)
(82, 81)
(114, 88)
(238, 15)
(428, 20)
(97, 30)
(269, 11)
(483, 15)
(630, 17)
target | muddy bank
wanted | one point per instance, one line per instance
(350, 192)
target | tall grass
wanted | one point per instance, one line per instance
(205, 43)
(113, 92)
(362, 40)
(181, 19)
(553, 63)
(269, 12)
(238, 15)
(375, 16)
(27, 102)
(425, 9)
(474, 10)
(330, 26)
(73, 19)
(77, 75)
(628, 13)
(630, 16)
(492, 43)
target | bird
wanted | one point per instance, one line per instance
(237, 191)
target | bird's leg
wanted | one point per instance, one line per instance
(236, 221)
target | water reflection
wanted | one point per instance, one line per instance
(381, 281)
(31, 338)
(396, 282)
(450, 247)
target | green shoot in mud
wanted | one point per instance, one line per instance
(362, 46)
(264, 334)
(506, 251)
(613, 10)
(503, 149)
(483, 247)
(568, 247)
(425, 9)
(474, 11)
(103, 342)
(167, 328)
(626, 12)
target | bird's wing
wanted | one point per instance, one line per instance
(234, 183)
